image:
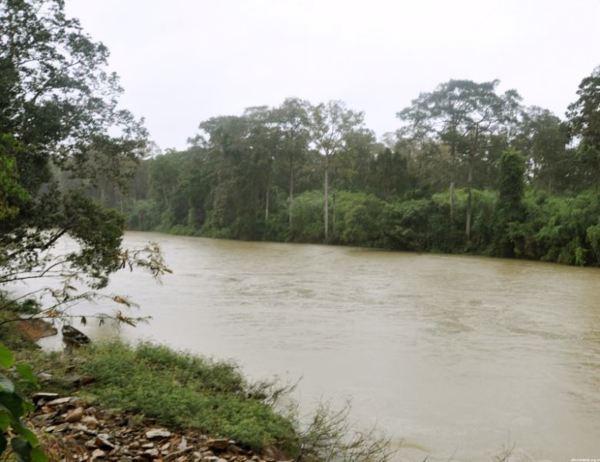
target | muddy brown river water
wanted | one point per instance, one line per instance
(452, 356)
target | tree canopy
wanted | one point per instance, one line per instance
(470, 169)
(61, 133)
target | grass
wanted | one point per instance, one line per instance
(180, 390)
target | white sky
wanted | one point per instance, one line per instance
(183, 61)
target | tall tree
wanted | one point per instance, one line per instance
(462, 114)
(584, 120)
(292, 119)
(542, 138)
(509, 209)
(331, 124)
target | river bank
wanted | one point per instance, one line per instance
(100, 388)
(112, 401)
(72, 429)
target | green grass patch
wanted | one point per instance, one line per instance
(181, 390)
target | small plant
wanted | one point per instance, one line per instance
(330, 437)
(23, 442)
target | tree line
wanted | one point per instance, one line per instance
(470, 169)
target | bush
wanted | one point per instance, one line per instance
(13, 407)
(307, 217)
(358, 219)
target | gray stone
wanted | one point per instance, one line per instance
(60, 401)
(98, 454)
(157, 433)
(44, 396)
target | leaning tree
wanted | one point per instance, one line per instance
(59, 112)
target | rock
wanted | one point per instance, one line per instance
(91, 444)
(273, 453)
(182, 444)
(60, 401)
(103, 441)
(74, 337)
(235, 449)
(219, 444)
(37, 397)
(152, 452)
(44, 376)
(61, 428)
(98, 454)
(90, 421)
(75, 415)
(181, 453)
(157, 433)
(82, 428)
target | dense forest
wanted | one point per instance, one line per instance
(470, 169)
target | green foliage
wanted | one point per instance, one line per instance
(593, 237)
(24, 444)
(58, 109)
(12, 195)
(557, 228)
(470, 171)
(307, 213)
(184, 390)
(510, 211)
(584, 120)
(357, 219)
(62, 139)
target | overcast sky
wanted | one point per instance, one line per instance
(183, 61)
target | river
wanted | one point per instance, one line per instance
(452, 356)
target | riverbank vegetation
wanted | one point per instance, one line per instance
(470, 170)
(181, 391)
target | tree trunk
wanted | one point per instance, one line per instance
(326, 198)
(267, 205)
(452, 201)
(268, 191)
(472, 155)
(291, 193)
(469, 202)
(333, 214)
(452, 175)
